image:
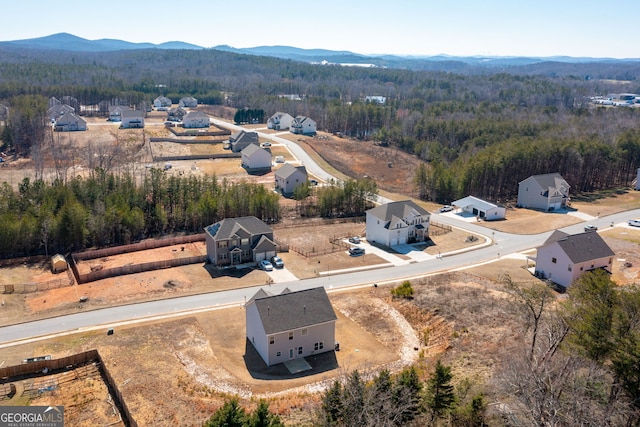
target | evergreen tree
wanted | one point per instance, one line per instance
(231, 414)
(439, 394)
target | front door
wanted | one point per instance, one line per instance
(290, 353)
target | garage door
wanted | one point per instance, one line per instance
(394, 242)
(403, 240)
(260, 256)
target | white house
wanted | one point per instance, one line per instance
(279, 121)
(132, 119)
(481, 208)
(288, 177)
(242, 139)
(291, 325)
(397, 223)
(256, 158)
(69, 122)
(546, 192)
(115, 112)
(162, 103)
(563, 257)
(196, 119)
(303, 125)
(188, 101)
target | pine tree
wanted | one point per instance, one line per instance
(440, 396)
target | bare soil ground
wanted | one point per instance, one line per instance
(178, 372)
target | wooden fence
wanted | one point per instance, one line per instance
(437, 229)
(67, 279)
(222, 132)
(141, 246)
(43, 368)
(135, 268)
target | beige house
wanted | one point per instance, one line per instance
(256, 159)
(563, 258)
(291, 325)
(288, 177)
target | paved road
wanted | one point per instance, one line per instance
(109, 317)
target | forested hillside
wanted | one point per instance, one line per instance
(478, 132)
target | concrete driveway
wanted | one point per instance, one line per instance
(280, 275)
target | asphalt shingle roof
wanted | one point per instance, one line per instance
(294, 310)
(581, 247)
(400, 209)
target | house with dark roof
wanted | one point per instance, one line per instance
(545, 192)
(242, 139)
(58, 110)
(279, 121)
(397, 223)
(563, 258)
(235, 241)
(290, 325)
(176, 114)
(256, 159)
(289, 177)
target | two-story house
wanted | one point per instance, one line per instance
(243, 240)
(288, 177)
(303, 125)
(397, 223)
(279, 121)
(563, 257)
(196, 119)
(241, 139)
(290, 325)
(546, 192)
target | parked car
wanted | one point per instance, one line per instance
(266, 265)
(634, 222)
(265, 144)
(356, 250)
(313, 182)
(354, 239)
(590, 228)
(277, 262)
(445, 208)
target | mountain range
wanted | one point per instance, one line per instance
(69, 42)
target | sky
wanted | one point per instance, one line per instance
(578, 28)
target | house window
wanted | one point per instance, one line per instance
(569, 268)
(272, 339)
(305, 331)
(581, 267)
(244, 242)
(554, 260)
(610, 260)
(222, 256)
(278, 353)
(300, 350)
(234, 242)
(290, 336)
(222, 244)
(318, 346)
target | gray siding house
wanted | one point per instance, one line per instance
(188, 101)
(242, 139)
(290, 325)
(243, 240)
(563, 258)
(288, 177)
(115, 112)
(162, 103)
(69, 122)
(546, 192)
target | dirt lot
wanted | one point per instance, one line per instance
(178, 372)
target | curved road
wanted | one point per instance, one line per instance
(505, 244)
